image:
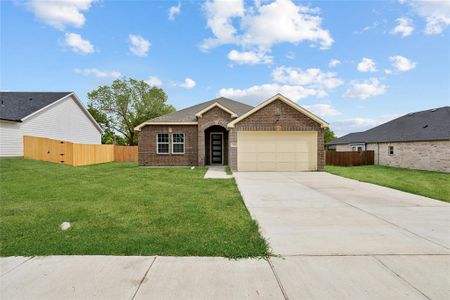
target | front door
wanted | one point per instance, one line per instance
(216, 148)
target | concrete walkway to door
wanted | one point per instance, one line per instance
(343, 239)
(217, 172)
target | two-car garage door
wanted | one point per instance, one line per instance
(277, 150)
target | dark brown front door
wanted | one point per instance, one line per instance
(216, 148)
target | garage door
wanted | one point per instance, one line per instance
(277, 150)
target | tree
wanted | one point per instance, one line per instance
(108, 136)
(127, 103)
(329, 135)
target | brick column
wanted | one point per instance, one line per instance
(201, 146)
(320, 150)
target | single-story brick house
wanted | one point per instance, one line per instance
(277, 135)
(418, 140)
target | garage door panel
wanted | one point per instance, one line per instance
(277, 151)
(248, 147)
(264, 147)
(286, 157)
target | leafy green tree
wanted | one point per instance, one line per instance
(108, 136)
(127, 103)
(329, 135)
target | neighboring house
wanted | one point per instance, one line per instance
(277, 135)
(419, 140)
(52, 115)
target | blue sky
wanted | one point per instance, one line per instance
(390, 57)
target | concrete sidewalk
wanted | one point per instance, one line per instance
(295, 277)
(116, 277)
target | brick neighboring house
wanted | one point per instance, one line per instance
(277, 135)
(419, 140)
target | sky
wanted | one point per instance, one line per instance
(356, 64)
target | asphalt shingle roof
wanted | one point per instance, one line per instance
(427, 125)
(15, 106)
(188, 114)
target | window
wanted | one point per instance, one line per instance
(178, 143)
(358, 147)
(391, 150)
(162, 142)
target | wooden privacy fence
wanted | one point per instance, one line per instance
(349, 158)
(75, 154)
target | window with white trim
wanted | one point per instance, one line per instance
(162, 143)
(358, 147)
(178, 143)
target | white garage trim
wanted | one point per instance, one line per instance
(288, 102)
(277, 150)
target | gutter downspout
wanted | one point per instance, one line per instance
(378, 153)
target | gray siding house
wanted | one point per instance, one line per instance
(418, 140)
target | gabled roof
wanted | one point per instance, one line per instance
(427, 125)
(189, 115)
(17, 105)
(215, 104)
(285, 100)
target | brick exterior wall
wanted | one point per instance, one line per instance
(215, 116)
(430, 155)
(147, 155)
(277, 116)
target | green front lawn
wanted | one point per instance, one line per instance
(426, 183)
(122, 209)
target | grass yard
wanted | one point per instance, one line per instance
(426, 183)
(122, 209)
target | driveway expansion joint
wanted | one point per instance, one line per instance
(27, 260)
(280, 284)
(143, 278)
(400, 277)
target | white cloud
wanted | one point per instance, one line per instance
(154, 81)
(435, 12)
(98, 73)
(257, 93)
(404, 27)
(365, 89)
(295, 83)
(333, 63)
(249, 57)
(345, 126)
(220, 14)
(61, 13)
(174, 10)
(139, 46)
(78, 44)
(322, 109)
(187, 84)
(367, 65)
(402, 64)
(263, 25)
(387, 71)
(310, 77)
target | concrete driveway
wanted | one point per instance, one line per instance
(343, 239)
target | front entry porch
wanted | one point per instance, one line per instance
(216, 145)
